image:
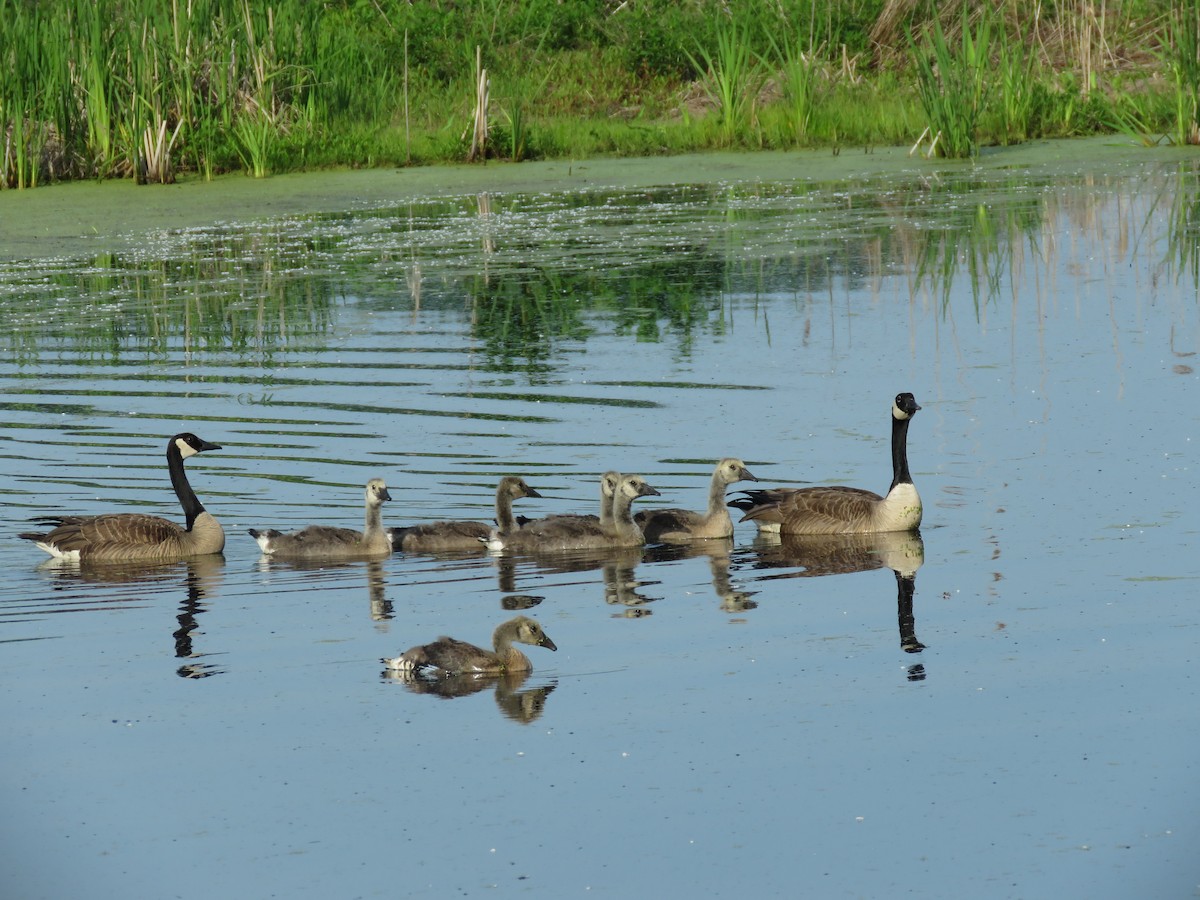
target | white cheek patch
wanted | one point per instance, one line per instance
(898, 413)
(185, 449)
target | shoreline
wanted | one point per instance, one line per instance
(74, 219)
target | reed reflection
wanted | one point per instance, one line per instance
(820, 555)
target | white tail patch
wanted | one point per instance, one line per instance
(57, 552)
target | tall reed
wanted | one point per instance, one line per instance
(1181, 57)
(799, 80)
(1015, 87)
(731, 77)
(952, 84)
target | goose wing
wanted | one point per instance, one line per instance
(448, 535)
(98, 535)
(657, 522)
(814, 510)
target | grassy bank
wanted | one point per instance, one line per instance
(144, 89)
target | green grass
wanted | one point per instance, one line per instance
(147, 89)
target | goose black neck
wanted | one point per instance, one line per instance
(900, 473)
(906, 586)
(191, 504)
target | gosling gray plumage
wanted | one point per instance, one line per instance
(675, 525)
(581, 532)
(137, 537)
(448, 656)
(452, 535)
(328, 542)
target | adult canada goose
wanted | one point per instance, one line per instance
(328, 542)
(136, 537)
(450, 535)
(447, 656)
(844, 510)
(672, 525)
(582, 532)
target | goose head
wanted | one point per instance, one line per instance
(516, 488)
(634, 486)
(529, 631)
(189, 445)
(904, 407)
(733, 470)
(377, 492)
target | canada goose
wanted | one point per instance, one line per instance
(451, 535)
(447, 656)
(134, 537)
(844, 510)
(683, 524)
(582, 532)
(327, 542)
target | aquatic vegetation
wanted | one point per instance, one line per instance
(1181, 57)
(149, 91)
(730, 77)
(952, 80)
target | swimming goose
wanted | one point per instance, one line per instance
(447, 656)
(683, 524)
(844, 510)
(608, 487)
(134, 537)
(582, 532)
(451, 535)
(328, 542)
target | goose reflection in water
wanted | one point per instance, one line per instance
(819, 555)
(719, 551)
(201, 577)
(522, 706)
(617, 567)
(381, 609)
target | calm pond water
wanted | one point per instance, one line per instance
(1005, 706)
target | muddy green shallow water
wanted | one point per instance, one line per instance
(1003, 706)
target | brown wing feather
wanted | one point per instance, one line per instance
(815, 510)
(657, 522)
(450, 655)
(441, 536)
(132, 534)
(317, 537)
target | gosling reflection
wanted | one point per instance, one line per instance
(617, 567)
(819, 555)
(523, 706)
(381, 609)
(719, 551)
